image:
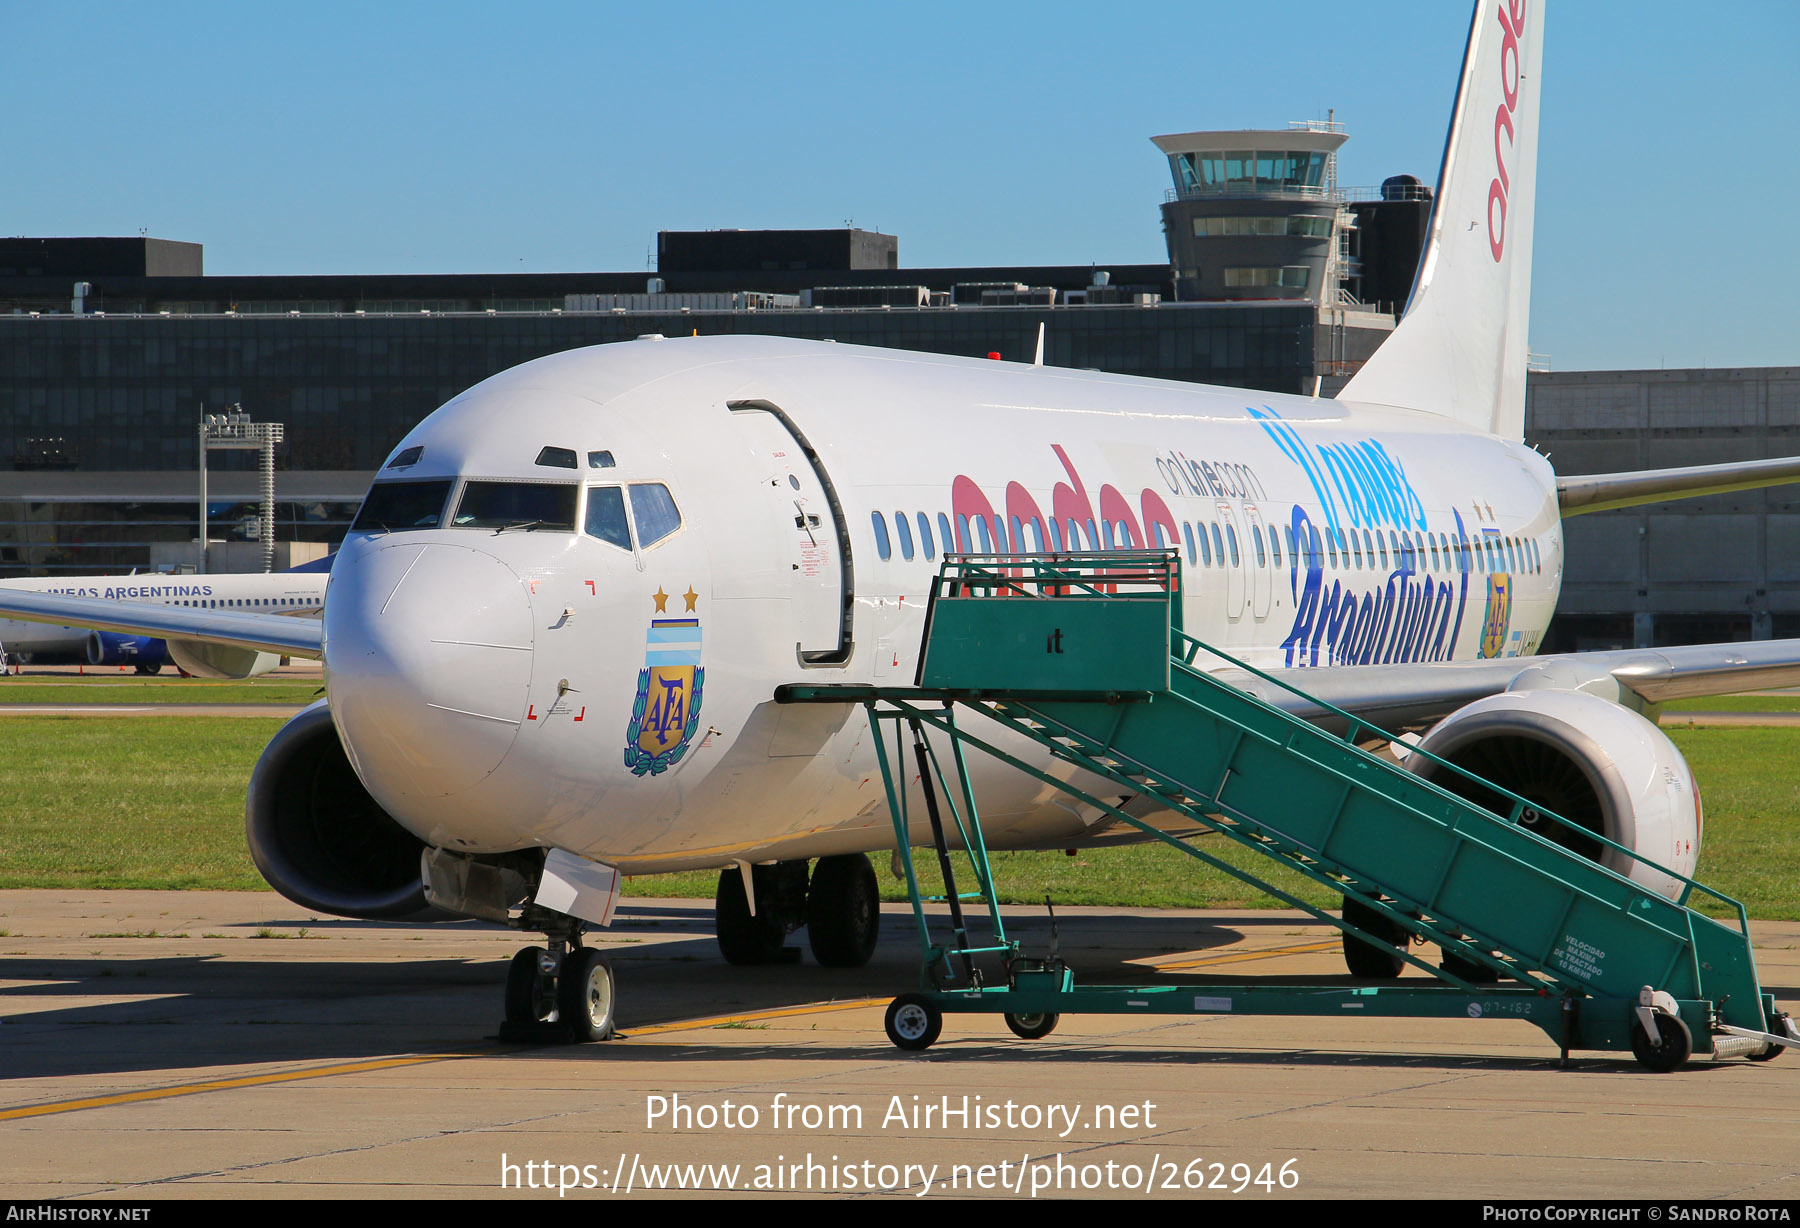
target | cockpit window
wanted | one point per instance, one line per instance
(557, 458)
(407, 458)
(606, 516)
(393, 507)
(653, 507)
(516, 505)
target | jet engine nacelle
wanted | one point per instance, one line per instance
(112, 648)
(1591, 761)
(320, 839)
(220, 660)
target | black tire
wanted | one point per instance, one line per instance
(1030, 1027)
(1673, 1045)
(843, 911)
(913, 1021)
(743, 939)
(584, 995)
(1469, 970)
(528, 997)
(1366, 961)
(152, 667)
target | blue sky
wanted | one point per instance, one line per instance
(389, 137)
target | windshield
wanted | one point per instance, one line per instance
(516, 505)
(393, 507)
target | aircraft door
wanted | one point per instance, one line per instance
(1234, 561)
(815, 544)
(1260, 564)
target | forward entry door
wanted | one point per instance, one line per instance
(799, 494)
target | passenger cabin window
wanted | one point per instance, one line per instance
(881, 538)
(903, 531)
(517, 505)
(654, 510)
(394, 507)
(945, 536)
(925, 536)
(606, 516)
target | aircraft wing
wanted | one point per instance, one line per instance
(1398, 697)
(288, 635)
(1601, 492)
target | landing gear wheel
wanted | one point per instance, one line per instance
(154, 667)
(530, 995)
(1468, 970)
(584, 995)
(1777, 1025)
(1365, 960)
(1030, 1027)
(843, 911)
(913, 1021)
(744, 939)
(1672, 1046)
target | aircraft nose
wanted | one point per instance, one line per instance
(427, 663)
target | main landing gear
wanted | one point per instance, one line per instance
(840, 908)
(559, 992)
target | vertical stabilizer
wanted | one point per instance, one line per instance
(1460, 348)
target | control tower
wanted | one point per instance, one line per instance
(1257, 214)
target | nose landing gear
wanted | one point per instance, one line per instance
(561, 993)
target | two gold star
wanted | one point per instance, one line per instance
(662, 600)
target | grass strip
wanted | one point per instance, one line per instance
(123, 803)
(130, 689)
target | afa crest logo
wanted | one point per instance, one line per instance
(1499, 614)
(666, 712)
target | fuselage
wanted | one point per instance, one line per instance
(594, 570)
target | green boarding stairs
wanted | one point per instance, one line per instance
(1085, 655)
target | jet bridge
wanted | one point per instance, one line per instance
(1085, 655)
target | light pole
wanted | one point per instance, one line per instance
(233, 431)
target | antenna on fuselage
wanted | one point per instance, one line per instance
(1038, 360)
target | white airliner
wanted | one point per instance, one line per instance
(556, 628)
(297, 592)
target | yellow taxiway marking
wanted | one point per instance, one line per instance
(720, 1021)
(219, 1085)
(1238, 957)
(393, 1063)
(685, 1025)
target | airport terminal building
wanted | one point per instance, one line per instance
(111, 350)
